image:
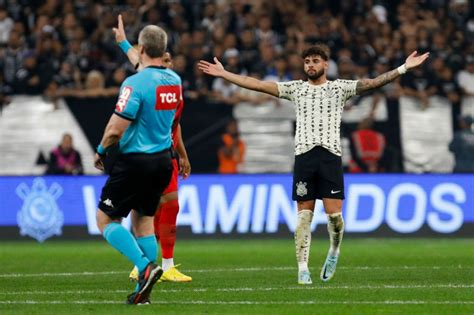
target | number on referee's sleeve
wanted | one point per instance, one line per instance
(123, 99)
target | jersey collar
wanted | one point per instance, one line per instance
(157, 67)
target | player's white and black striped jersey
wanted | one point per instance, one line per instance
(318, 112)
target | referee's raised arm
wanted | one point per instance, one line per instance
(216, 69)
(121, 38)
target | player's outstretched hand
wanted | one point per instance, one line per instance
(119, 31)
(184, 167)
(215, 69)
(414, 61)
(98, 163)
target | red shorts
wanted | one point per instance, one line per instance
(173, 185)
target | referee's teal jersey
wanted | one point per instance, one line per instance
(149, 99)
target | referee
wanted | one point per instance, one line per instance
(141, 125)
(318, 168)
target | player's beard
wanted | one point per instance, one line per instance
(316, 75)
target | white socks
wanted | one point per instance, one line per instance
(336, 231)
(167, 263)
(303, 238)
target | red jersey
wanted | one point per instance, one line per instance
(177, 118)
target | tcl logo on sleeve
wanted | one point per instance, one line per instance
(168, 97)
(123, 99)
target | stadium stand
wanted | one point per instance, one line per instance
(29, 128)
(50, 48)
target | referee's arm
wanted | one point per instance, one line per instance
(121, 39)
(217, 70)
(112, 134)
(114, 130)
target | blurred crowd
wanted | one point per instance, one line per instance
(59, 48)
(50, 45)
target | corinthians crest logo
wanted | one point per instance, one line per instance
(40, 216)
(301, 189)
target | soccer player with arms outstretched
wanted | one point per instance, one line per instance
(318, 166)
(167, 213)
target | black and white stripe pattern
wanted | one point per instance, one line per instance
(318, 112)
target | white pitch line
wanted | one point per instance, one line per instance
(63, 292)
(60, 274)
(248, 289)
(250, 269)
(356, 287)
(200, 302)
(342, 267)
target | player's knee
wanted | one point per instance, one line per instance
(169, 197)
(306, 205)
(334, 209)
(332, 206)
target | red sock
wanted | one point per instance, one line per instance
(156, 222)
(167, 227)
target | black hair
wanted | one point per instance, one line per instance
(318, 49)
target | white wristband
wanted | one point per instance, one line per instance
(402, 69)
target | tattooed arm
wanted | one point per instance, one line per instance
(412, 61)
(365, 85)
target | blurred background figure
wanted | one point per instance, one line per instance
(465, 79)
(6, 25)
(419, 84)
(27, 79)
(231, 153)
(223, 91)
(65, 160)
(463, 146)
(4, 94)
(368, 148)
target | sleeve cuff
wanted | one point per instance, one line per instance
(125, 46)
(101, 150)
(123, 116)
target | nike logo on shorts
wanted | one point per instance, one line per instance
(335, 192)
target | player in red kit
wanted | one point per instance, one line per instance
(167, 212)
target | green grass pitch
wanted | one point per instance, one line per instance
(374, 276)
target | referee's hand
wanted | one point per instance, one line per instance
(119, 31)
(98, 163)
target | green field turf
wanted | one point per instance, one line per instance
(375, 276)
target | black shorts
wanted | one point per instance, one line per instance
(136, 181)
(317, 175)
